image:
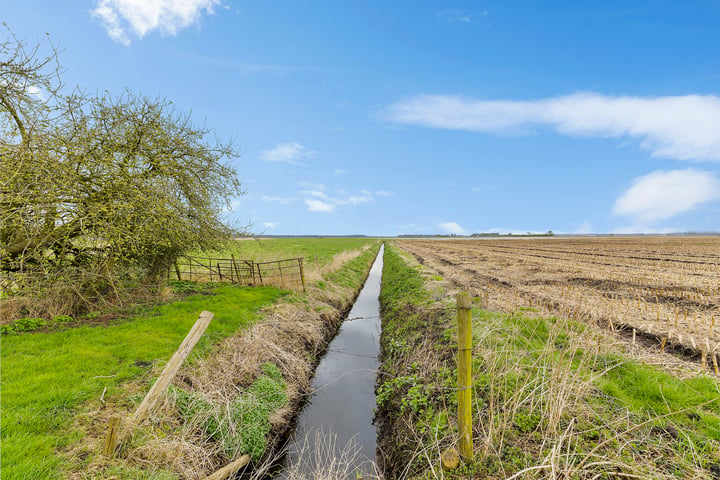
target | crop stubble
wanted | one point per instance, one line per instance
(663, 287)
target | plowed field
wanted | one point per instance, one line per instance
(666, 289)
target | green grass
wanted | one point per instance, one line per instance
(243, 425)
(281, 248)
(46, 376)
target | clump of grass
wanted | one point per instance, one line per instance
(240, 425)
(324, 459)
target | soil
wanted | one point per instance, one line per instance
(658, 287)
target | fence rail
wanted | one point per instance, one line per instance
(282, 273)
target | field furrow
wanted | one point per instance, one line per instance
(664, 288)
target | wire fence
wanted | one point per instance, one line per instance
(283, 273)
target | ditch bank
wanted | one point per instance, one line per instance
(241, 399)
(416, 386)
(335, 436)
(552, 398)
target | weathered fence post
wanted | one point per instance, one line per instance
(302, 273)
(111, 437)
(171, 368)
(260, 274)
(464, 314)
(230, 469)
(237, 271)
(252, 270)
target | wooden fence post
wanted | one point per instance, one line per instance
(464, 314)
(230, 469)
(260, 275)
(111, 437)
(302, 273)
(171, 368)
(252, 269)
(237, 271)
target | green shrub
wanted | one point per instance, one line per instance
(29, 324)
(62, 319)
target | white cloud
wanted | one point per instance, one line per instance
(269, 225)
(318, 205)
(456, 15)
(681, 127)
(287, 152)
(452, 227)
(340, 171)
(644, 229)
(316, 193)
(319, 201)
(364, 197)
(584, 228)
(280, 200)
(143, 16)
(665, 194)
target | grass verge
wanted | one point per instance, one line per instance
(46, 376)
(552, 398)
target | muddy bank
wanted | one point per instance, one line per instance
(197, 428)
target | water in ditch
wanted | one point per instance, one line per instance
(335, 436)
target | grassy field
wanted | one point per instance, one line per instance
(49, 375)
(553, 398)
(269, 249)
(46, 376)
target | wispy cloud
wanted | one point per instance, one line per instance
(456, 15)
(124, 18)
(317, 200)
(364, 197)
(340, 171)
(244, 68)
(665, 194)
(280, 200)
(584, 228)
(315, 205)
(270, 225)
(452, 227)
(679, 127)
(290, 152)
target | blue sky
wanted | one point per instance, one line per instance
(418, 117)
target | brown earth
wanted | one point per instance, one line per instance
(648, 287)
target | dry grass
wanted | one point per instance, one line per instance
(324, 459)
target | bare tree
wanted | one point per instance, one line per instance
(94, 182)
